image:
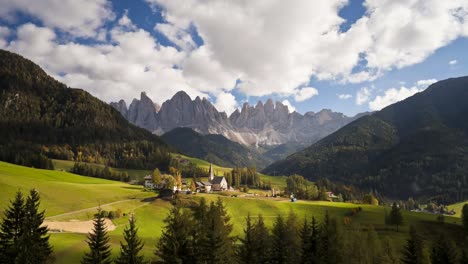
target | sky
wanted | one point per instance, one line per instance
(349, 56)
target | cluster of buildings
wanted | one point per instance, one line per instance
(213, 184)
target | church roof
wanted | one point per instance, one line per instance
(217, 180)
(207, 183)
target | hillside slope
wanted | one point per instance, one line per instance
(417, 147)
(214, 148)
(40, 117)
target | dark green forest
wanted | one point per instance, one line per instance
(415, 148)
(41, 119)
(214, 148)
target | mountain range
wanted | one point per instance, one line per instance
(264, 124)
(414, 148)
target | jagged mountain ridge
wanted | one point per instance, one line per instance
(263, 124)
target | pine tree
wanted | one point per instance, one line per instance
(330, 241)
(129, 252)
(176, 242)
(11, 229)
(388, 256)
(465, 217)
(262, 246)
(413, 250)
(464, 257)
(279, 255)
(98, 242)
(218, 246)
(33, 243)
(306, 234)
(395, 217)
(293, 239)
(246, 252)
(443, 252)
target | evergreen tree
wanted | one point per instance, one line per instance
(306, 234)
(395, 217)
(11, 229)
(443, 252)
(279, 235)
(246, 252)
(98, 242)
(217, 246)
(465, 216)
(262, 246)
(33, 243)
(413, 250)
(130, 252)
(293, 239)
(330, 241)
(176, 243)
(464, 257)
(388, 255)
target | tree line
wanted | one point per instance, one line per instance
(98, 172)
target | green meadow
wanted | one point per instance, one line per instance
(67, 196)
(457, 208)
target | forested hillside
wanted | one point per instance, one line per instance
(41, 118)
(417, 147)
(214, 148)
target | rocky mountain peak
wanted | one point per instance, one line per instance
(265, 123)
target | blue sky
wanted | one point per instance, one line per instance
(348, 56)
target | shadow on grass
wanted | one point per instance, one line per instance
(149, 199)
(132, 188)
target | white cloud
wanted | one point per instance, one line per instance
(425, 83)
(4, 32)
(257, 47)
(291, 108)
(344, 96)
(226, 102)
(305, 93)
(453, 62)
(79, 18)
(363, 95)
(178, 36)
(406, 32)
(392, 96)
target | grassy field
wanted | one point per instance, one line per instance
(66, 196)
(457, 207)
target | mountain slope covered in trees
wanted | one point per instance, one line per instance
(417, 147)
(41, 118)
(214, 148)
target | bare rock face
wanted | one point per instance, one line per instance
(263, 124)
(121, 106)
(140, 112)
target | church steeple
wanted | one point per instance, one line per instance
(211, 173)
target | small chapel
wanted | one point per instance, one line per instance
(215, 183)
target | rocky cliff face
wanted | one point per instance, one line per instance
(263, 124)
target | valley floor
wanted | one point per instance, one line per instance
(66, 197)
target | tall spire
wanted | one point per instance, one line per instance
(211, 172)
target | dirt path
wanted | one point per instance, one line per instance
(86, 209)
(76, 226)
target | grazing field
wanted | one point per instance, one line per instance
(457, 208)
(63, 192)
(66, 196)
